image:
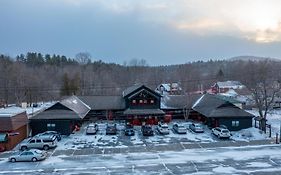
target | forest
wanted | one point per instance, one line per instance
(34, 77)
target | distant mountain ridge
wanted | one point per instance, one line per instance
(252, 58)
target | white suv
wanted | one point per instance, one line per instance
(221, 132)
(163, 128)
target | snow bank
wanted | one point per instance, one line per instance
(248, 134)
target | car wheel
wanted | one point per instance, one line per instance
(45, 147)
(219, 136)
(34, 159)
(13, 160)
(23, 148)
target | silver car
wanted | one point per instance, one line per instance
(179, 128)
(163, 128)
(92, 129)
(196, 127)
(30, 155)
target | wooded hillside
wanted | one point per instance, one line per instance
(36, 77)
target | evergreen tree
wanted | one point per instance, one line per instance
(65, 90)
(220, 75)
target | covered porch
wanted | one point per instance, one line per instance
(144, 116)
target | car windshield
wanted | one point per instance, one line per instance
(164, 126)
(225, 131)
(38, 151)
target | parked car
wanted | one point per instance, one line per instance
(221, 132)
(163, 128)
(55, 133)
(196, 127)
(92, 128)
(180, 129)
(29, 155)
(129, 130)
(111, 129)
(39, 142)
(147, 130)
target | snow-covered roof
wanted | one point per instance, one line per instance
(230, 93)
(195, 104)
(166, 86)
(10, 111)
(230, 84)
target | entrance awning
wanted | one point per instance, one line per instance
(3, 137)
(144, 112)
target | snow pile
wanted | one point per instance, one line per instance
(224, 169)
(248, 134)
(258, 164)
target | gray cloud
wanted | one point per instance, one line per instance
(115, 31)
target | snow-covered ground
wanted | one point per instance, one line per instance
(264, 159)
(273, 118)
(79, 140)
(30, 111)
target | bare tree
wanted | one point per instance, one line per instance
(83, 58)
(264, 86)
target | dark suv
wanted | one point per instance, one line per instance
(111, 129)
(147, 130)
(129, 131)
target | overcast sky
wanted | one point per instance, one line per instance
(160, 31)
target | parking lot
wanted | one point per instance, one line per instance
(81, 144)
(80, 140)
(118, 154)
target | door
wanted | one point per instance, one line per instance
(22, 156)
(32, 144)
(39, 143)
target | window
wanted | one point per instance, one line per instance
(51, 126)
(145, 101)
(151, 101)
(134, 101)
(29, 153)
(32, 141)
(235, 123)
(141, 101)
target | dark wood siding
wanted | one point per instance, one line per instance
(143, 95)
(244, 123)
(65, 127)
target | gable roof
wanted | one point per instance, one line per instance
(69, 108)
(104, 102)
(136, 88)
(178, 101)
(166, 86)
(76, 105)
(211, 105)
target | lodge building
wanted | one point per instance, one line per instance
(139, 105)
